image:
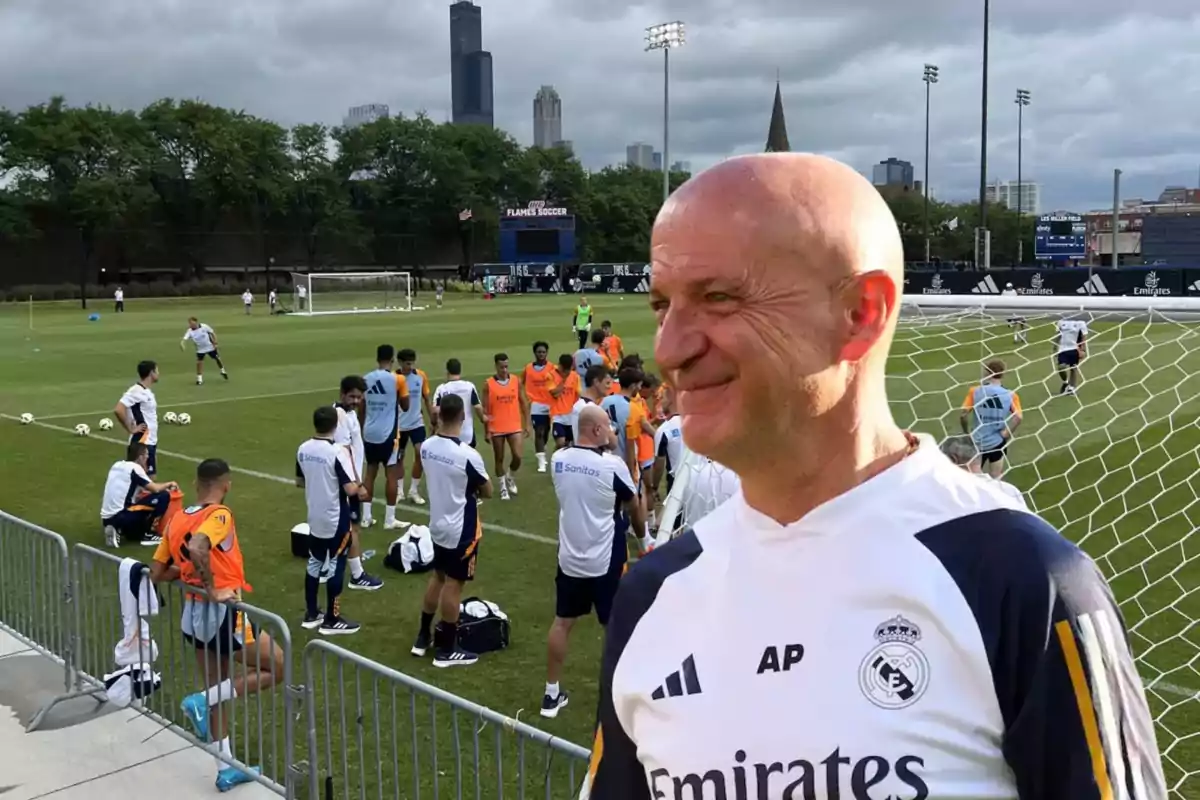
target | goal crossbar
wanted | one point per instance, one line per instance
(323, 293)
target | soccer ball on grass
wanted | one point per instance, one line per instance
(82, 430)
(106, 424)
(184, 419)
(170, 418)
(27, 418)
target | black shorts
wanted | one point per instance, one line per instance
(415, 436)
(355, 506)
(1068, 358)
(540, 421)
(993, 455)
(213, 354)
(386, 453)
(456, 563)
(576, 597)
(563, 430)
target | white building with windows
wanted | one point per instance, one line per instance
(1007, 193)
(364, 115)
(641, 155)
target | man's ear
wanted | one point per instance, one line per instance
(869, 301)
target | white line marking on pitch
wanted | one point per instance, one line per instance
(266, 476)
(208, 402)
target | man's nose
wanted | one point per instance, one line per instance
(680, 339)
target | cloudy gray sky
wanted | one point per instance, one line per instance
(1115, 84)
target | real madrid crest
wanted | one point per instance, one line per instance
(895, 674)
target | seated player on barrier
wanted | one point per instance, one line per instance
(133, 504)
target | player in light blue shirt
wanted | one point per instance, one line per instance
(387, 395)
(590, 356)
(991, 413)
(617, 408)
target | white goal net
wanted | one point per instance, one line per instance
(1114, 466)
(318, 293)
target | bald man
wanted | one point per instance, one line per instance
(864, 619)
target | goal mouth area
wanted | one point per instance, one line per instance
(317, 294)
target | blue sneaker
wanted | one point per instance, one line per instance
(229, 777)
(366, 582)
(195, 710)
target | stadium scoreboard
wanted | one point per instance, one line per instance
(537, 232)
(1060, 237)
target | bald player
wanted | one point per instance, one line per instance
(938, 640)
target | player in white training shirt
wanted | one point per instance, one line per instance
(465, 391)
(349, 435)
(137, 412)
(272, 300)
(1018, 323)
(597, 385)
(863, 619)
(247, 300)
(205, 340)
(1070, 349)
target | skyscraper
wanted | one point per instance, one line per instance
(641, 155)
(547, 118)
(364, 115)
(470, 67)
(893, 172)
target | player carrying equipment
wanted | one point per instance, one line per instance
(412, 423)
(506, 409)
(387, 396)
(537, 379)
(137, 411)
(200, 548)
(205, 340)
(991, 413)
(1070, 348)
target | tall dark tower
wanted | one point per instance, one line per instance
(777, 138)
(470, 67)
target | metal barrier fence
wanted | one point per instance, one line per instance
(358, 712)
(369, 731)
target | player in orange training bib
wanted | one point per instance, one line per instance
(506, 409)
(537, 379)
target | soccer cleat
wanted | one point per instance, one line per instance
(512, 484)
(338, 626)
(503, 490)
(454, 658)
(421, 645)
(112, 536)
(224, 374)
(195, 711)
(366, 522)
(199, 381)
(312, 621)
(367, 583)
(415, 497)
(393, 524)
(230, 777)
(150, 539)
(551, 705)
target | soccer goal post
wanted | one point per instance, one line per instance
(1115, 465)
(320, 293)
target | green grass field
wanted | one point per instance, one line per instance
(1114, 467)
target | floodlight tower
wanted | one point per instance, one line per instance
(1021, 101)
(931, 77)
(665, 37)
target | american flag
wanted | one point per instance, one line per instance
(464, 215)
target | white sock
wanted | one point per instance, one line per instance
(223, 692)
(541, 457)
(552, 690)
(389, 514)
(356, 568)
(224, 748)
(366, 511)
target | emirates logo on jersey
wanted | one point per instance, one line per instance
(895, 673)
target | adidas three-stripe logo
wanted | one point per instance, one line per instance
(681, 682)
(1194, 286)
(986, 286)
(1093, 285)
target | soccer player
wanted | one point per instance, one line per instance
(441, 290)
(301, 296)
(1018, 323)
(348, 434)
(962, 452)
(506, 409)
(272, 300)
(205, 340)
(200, 549)
(387, 396)
(668, 451)
(946, 642)
(465, 391)
(1070, 348)
(589, 483)
(137, 411)
(587, 357)
(119, 301)
(247, 301)
(991, 413)
(536, 380)
(455, 476)
(619, 409)
(323, 472)
(613, 349)
(412, 422)
(581, 321)
(133, 504)
(597, 384)
(640, 430)
(563, 393)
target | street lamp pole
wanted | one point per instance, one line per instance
(931, 77)
(665, 37)
(1022, 101)
(983, 121)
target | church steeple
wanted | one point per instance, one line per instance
(777, 138)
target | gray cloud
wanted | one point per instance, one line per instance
(1111, 88)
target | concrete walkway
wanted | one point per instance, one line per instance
(87, 751)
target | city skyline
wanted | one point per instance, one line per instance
(472, 90)
(851, 77)
(547, 117)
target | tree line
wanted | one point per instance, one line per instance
(169, 180)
